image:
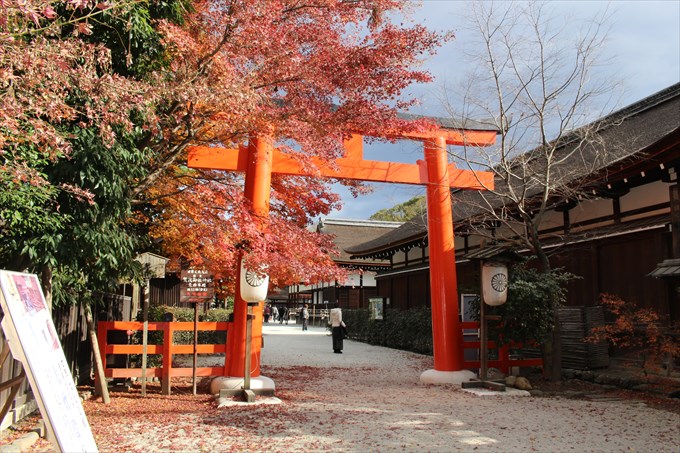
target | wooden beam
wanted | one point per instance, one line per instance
(345, 168)
(452, 137)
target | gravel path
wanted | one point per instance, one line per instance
(370, 399)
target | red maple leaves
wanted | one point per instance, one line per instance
(307, 74)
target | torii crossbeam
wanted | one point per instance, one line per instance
(259, 160)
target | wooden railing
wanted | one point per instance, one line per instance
(504, 362)
(166, 350)
(166, 372)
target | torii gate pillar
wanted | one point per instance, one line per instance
(447, 337)
(258, 176)
(257, 191)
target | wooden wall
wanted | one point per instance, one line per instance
(616, 265)
(619, 266)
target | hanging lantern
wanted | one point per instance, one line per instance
(494, 283)
(254, 285)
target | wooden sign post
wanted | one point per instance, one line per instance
(196, 286)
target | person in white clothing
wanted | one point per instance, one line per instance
(337, 327)
(305, 318)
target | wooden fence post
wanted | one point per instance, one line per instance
(167, 356)
(504, 358)
(102, 387)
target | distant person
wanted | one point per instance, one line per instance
(283, 314)
(337, 328)
(275, 313)
(267, 313)
(305, 317)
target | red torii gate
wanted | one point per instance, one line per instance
(260, 159)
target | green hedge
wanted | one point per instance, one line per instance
(409, 330)
(157, 314)
(186, 315)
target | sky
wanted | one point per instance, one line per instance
(643, 45)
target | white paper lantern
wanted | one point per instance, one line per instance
(494, 283)
(254, 285)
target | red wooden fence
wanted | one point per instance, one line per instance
(504, 362)
(166, 372)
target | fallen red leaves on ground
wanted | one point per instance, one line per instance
(185, 416)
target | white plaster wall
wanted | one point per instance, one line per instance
(474, 241)
(352, 280)
(369, 279)
(590, 209)
(646, 195)
(551, 220)
(399, 258)
(506, 230)
(416, 253)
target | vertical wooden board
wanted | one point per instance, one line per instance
(33, 340)
(626, 277)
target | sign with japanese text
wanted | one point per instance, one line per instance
(197, 285)
(33, 341)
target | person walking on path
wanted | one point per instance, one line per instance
(283, 314)
(337, 327)
(305, 317)
(275, 313)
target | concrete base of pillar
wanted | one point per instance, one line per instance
(261, 385)
(446, 377)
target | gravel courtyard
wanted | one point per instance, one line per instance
(369, 399)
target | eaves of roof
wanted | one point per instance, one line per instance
(413, 230)
(666, 269)
(346, 233)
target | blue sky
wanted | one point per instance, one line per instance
(643, 44)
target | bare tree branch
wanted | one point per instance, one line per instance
(535, 77)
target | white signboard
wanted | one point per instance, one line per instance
(33, 340)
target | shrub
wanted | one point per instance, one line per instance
(635, 327)
(409, 330)
(158, 314)
(528, 314)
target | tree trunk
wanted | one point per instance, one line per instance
(552, 348)
(547, 352)
(552, 352)
(101, 388)
(46, 283)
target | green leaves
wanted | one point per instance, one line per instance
(408, 330)
(533, 298)
(402, 212)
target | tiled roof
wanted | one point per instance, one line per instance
(451, 123)
(414, 229)
(666, 269)
(348, 232)
(626, 135)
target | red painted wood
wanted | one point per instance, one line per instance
(166, 350)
